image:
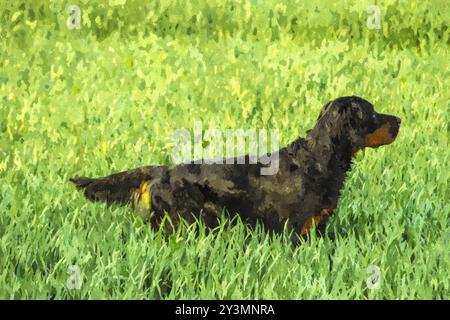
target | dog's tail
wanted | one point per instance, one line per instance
(117, 188)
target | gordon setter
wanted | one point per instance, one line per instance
(303, 193)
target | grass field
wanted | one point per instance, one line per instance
(108, 96)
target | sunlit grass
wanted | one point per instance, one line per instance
(80, 105)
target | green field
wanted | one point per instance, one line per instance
(108, 96)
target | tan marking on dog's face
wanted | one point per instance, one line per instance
(379, 137)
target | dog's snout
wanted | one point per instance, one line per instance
(386, 132)
(395, 126)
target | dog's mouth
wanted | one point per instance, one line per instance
(385, 134)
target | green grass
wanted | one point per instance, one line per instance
(107, 98)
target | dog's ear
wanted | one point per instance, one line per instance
(352, 108)
(357, 110)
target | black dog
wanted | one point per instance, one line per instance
(303, 193)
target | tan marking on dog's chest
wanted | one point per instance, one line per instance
(315, 221)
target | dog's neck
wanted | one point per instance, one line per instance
(333, 148)
(327, 155)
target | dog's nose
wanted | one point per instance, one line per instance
(398, 120)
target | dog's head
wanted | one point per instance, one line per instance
(356, 118)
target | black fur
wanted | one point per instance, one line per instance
(304, 192)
